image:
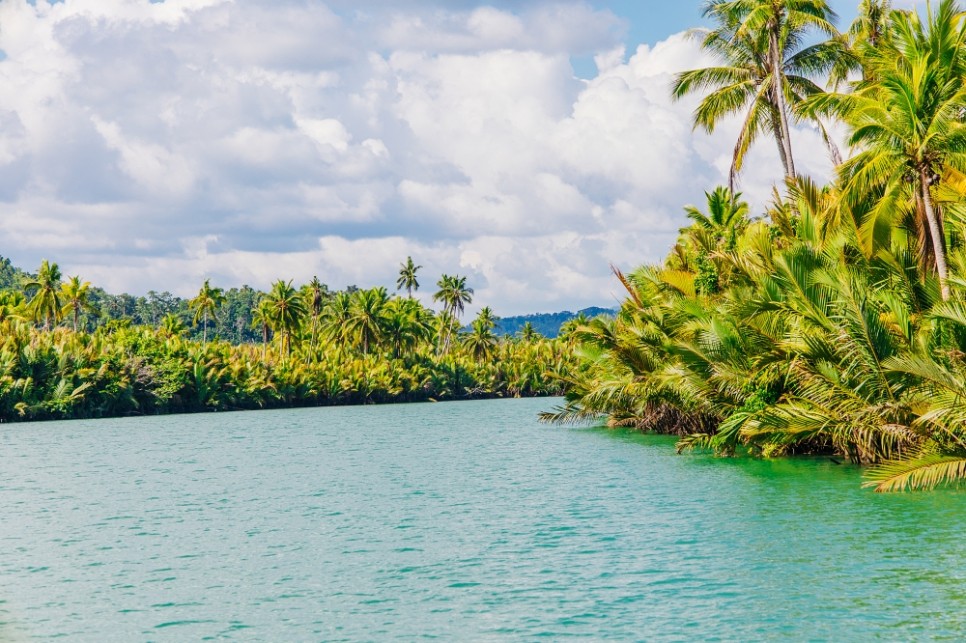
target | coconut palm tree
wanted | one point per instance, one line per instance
(763, 72)
(172, 325)
(285, 309)
(480, 340)
(528, 333)
(908, 127)
(863, 41)
(46, 302)
(335, 318)
(76, 297)
(316, 294)
(407, 277)
(405, 324)
(725, 220)
(206, 304)
(455, 295)
(262, 321)
(367, 317)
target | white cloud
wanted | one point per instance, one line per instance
(152, 145)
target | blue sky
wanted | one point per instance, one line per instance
(525, 144)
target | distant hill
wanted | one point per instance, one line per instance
(547, 324)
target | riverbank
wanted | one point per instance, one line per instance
(132, 370)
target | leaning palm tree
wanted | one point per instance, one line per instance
(908, 126)
(76, 295)
(407, 277)
(45, 304)
(763, 72)
(206, 304)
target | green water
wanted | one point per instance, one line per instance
(459, 521)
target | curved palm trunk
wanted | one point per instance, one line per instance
(204, 331)
(778, 95)
(935, 233)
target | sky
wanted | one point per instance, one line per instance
(527, 145)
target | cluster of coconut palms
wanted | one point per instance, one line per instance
(358, 346)
(835, 323)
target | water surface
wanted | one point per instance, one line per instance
(464, 521)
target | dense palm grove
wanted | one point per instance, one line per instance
(836, 323)
(61, 356)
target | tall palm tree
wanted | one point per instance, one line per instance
(205, 304)
(486, 317)
(908, 126)
(405, 324)
(480, 340)
(262, 321)
(367, 316)
(407, 277)
(45, 304)
(335, 318)
(455, 295)
(285, 311)
(316, 293)
(762, 68)
(76, 297)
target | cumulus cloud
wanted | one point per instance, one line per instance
(150, 145)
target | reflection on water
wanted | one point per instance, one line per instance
(457, 520)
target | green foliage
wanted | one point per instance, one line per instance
(316, 348)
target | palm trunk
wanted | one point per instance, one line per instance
(76, 314)
(778, 95)
(935, 232)
(204, 330)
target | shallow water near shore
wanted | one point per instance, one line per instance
(460, 521)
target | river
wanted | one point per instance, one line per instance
(460, 521)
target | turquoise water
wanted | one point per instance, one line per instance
(459, 521)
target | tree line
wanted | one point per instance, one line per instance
(62, 357)
(835, 323)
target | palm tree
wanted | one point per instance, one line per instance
(335, 318)
(726, 218)
(45, 303)
(407, 277)
(486, 317)
(366, 318)
(262, 321)
(76, 296)
(316, 293)
(172, 325)
(528, 333)
(761, 70)
(206, 303)
(454, 294)
(405, 324)
(481, 340)
(908, 126)
(867, 33)
(285, 311)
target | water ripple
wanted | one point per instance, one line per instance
(457, 521)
